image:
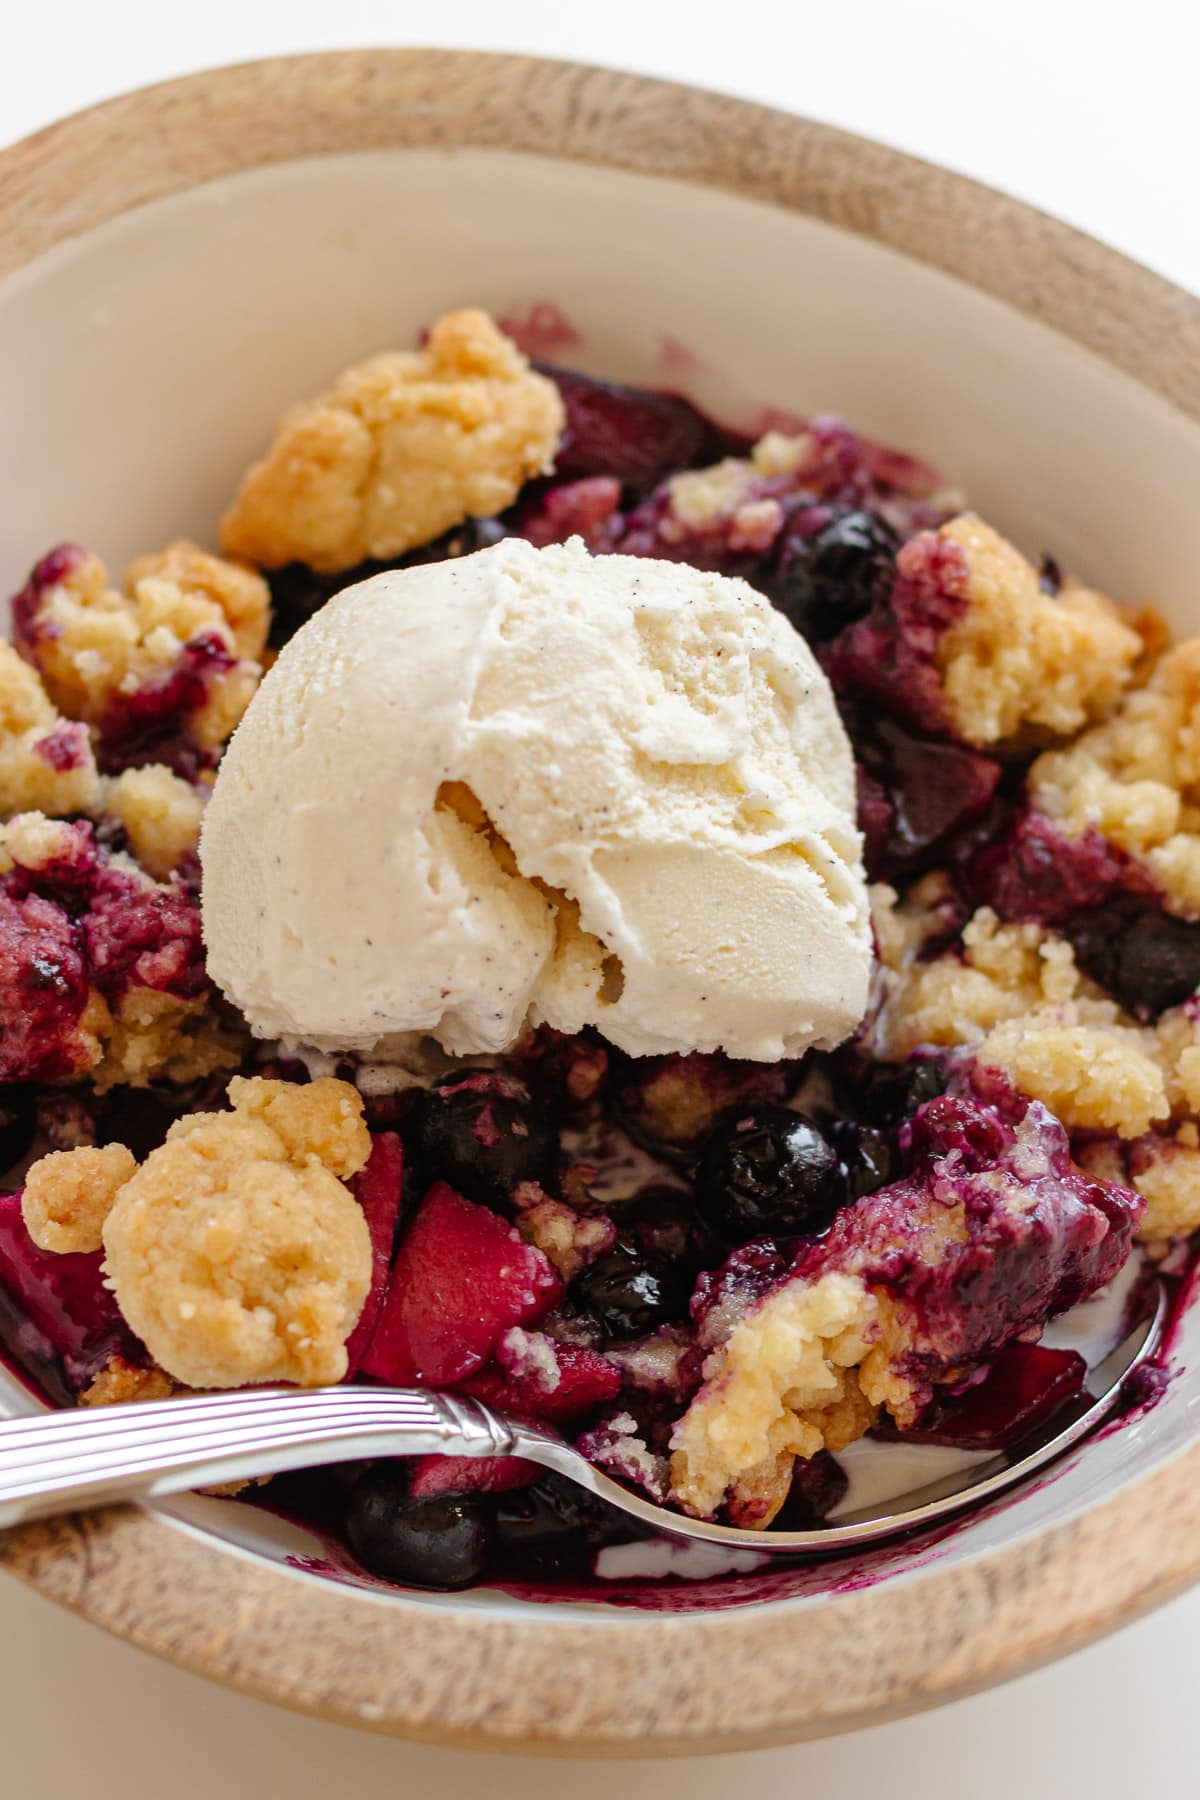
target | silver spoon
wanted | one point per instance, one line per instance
(61, 1461)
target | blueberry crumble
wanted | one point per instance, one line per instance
(692, 940)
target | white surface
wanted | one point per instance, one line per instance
(1088, 111)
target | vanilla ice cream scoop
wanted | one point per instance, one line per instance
(539, 786)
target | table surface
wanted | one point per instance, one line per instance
(1088, 110)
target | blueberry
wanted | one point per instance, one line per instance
(482, 1134)
(830, 578)
(888, 1093)
(769, 1172)
(18, 1120)
(630, 1293)
(555, 1528)
(1144, 957)
(441, 1542)
(869, 1157)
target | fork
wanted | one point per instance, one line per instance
(57, 1462)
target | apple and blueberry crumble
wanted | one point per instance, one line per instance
(692, 940)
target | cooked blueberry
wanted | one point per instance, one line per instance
(630, 1293)
(888, 1093)
(1144, 957)
(555, 1528)
(438, 1543)
(769, 1172)
(831, 578)
(483, 1135)
(869, 1157)
(18, 1118)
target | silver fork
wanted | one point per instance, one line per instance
(59, 1462)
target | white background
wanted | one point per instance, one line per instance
(1088, 110)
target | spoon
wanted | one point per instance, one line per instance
(59, 1462)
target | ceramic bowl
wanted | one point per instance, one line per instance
(178, 265)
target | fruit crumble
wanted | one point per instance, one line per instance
(713, 1213)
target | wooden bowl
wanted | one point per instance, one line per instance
(178, 264)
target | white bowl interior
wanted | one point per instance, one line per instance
(143, 364)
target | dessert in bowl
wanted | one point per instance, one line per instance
(510, 1006)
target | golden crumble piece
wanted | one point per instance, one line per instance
(93, 645)
(400, 449)
(1019, 660)
(568, 1239)
(161, 814)
(235, 1252)
(69, 1194)
(1136, 778)
(758, 1495)
(31, 841)
(1167, 1171)
(1015, 997)
(46, 763)
(120, 1383)
(155, 1036)
(240, 591)
(1093, 1077)
(781, 1386)
(322, 1120)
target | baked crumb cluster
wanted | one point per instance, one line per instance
(400, 449)
(578, 1236)
(235, 1250)
(171, 657)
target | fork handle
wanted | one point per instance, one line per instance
(61, 1461)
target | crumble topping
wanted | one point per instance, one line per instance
(1136, 778)
(782, 1386)
(69, 1194)
(153, 1036)
(1017, 659)
(400, 449)
(235, 1249)
(161, 814)
(239, 591)
(46, 763)
(235, 1252)
(1014, 996)
(995, 1230)
(121, 661)
(568, 1239)
(119, 1383)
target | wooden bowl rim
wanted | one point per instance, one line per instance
(629, 1683)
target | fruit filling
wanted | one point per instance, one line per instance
(713, 1253)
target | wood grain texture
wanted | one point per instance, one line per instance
(630, 1683)
(634, 1684)
(162, 139)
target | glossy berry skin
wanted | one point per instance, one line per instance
(555, 1528)
(630, 1293)
(869, 1157)
(483, 1136)
(1145, 958)
(831, 578)
(770, 1172)
(889, 1093)
(437, 1543)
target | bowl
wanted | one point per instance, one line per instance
(178, 265)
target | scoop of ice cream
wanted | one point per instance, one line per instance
(536, 786)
